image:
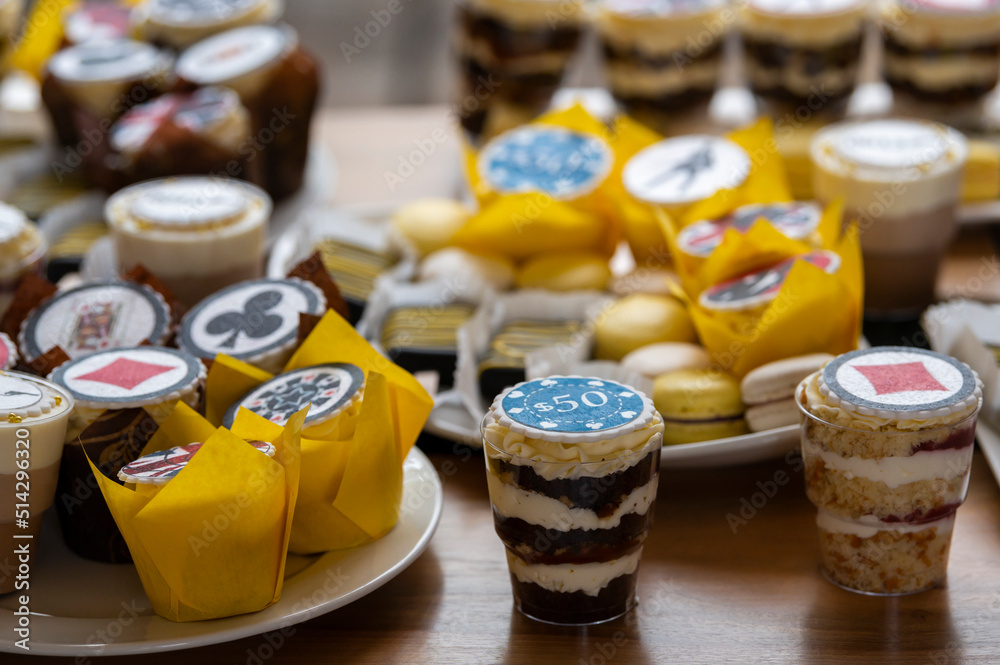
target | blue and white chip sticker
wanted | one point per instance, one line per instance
(559, 162)
(574, 405)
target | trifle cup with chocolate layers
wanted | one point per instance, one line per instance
(887, 441)
(513, 55)
(572, 465)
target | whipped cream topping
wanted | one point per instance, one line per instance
(869, 528)
(541, 510)
(589, 578)
(657, 27)
(895, 472)
(20, 241)
(940, 24)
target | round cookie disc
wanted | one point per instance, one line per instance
(251, 319)
(196, 112)
(329, 389)
(200, 12)
(95, 317)
(573, 409)
(106, 61)
(763, 286)
(26, 396)
(8, 352)
(158, 468)
(559, 162)
(233, 53)
(795, 220)
(900, 382)
(127, 378)
(685, 169)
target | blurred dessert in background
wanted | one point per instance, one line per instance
(95, 20)
(662, 57)
(803, 51)
(513, 55)
(179, 23)
(10, 16)
(22, 250)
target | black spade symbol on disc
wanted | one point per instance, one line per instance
(254, 321)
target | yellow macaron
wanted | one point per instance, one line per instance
(430, 224)
(573, 271)
(698, 405)
(638, 320)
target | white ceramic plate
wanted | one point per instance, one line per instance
(75, 602)
(452, 421)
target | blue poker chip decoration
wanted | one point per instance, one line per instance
(572, 404)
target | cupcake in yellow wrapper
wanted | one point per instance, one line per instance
(365, 415)
(212, 541)
(689, 178)
(547, 186)
(808, 303)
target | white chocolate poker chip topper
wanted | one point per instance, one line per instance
(573, 409)
(685, 169)
(232, 54)
(888, 150)
(539, 158)
(895, 382)
(109, 61)
(25, 396)
(187, 204)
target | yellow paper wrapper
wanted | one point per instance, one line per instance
(351, 487)
(814, 312)
(212, 542)
(526, 224)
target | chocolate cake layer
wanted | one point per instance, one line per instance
(892, 45)
(958, 95)
(779, 58)
(637, 58)
(601, 494)
(508, 42)
(529, 89)
(635, 104)
(536, 544)
(577, 607)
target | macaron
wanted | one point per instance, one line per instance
(430, 224)
(769, 390)
(698, 405)
(573, 271)
(653, 360)
(638, 320)
(454, 263)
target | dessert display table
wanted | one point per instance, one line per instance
(729, 573)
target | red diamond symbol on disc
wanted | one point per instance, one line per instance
(125, 373)
(903, 377)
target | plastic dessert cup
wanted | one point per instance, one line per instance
(31, 443)
(573, 511)
(887, 486)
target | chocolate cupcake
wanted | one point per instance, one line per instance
(939, 51)
(654, 65)
(89, 86)
(179, 23)
(513, 54)
(803, 51)
(277, 81)
(572, 467)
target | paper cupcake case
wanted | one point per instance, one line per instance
(474, 337)
(352, 465)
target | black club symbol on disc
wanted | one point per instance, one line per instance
(254, 321)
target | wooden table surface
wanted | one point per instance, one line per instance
(708, 593)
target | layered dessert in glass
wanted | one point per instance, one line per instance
(901, 181)
(31, 442)
(572, 466)
(803, 51)
(887, 442)
(662, 56)
(941, 51)
(512, 54)
(197, 234)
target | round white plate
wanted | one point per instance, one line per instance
(452, 421)
(83, 608)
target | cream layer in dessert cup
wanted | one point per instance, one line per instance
(662, 56)
(36, 414)
(572, 467)
(198, 234)
(901, 181)
(887, 442)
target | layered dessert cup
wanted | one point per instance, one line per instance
(31, 436)
(941, 52)
(803, 51)
(22, 251)
(887, 442)
(513, 55)
(197, 234)
(901, 181)
(572, 466)
(178, 24)
(661, 56)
